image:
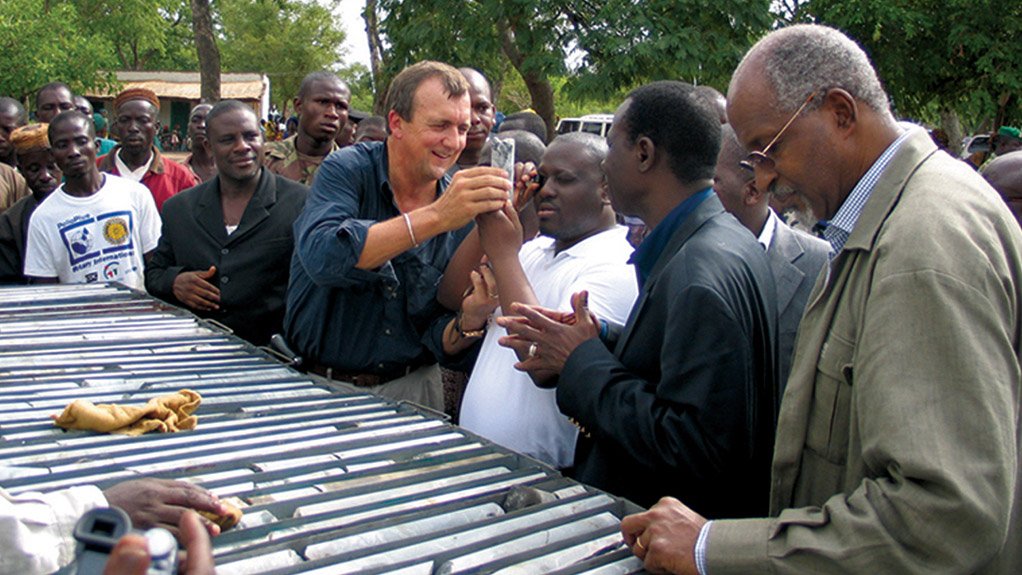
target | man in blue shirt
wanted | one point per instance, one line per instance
(381, 222)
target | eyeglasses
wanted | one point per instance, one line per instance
(760, 159)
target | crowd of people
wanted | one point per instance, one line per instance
(782, 319)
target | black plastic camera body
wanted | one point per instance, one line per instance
(99, 530)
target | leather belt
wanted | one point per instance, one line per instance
(358, 379)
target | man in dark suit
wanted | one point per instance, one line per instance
(796, 257)
(687, 401)
(227, 243)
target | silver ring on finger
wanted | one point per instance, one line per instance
(532, 349)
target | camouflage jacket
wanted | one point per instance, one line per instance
(283, 158)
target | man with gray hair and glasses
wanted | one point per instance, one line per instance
(898, 440)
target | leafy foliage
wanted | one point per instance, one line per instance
(613, 45)
(627, 44)
(40, 46)
(75, 39)
(145, 34)
(937, 55)
(938, 58)
(493, 36)
(285, 39)
(429, 30)
(360, 81)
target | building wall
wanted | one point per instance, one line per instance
(173, 111)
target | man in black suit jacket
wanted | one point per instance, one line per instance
(226, 246)
(796, 257)
(686, 403)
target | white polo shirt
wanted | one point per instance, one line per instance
(501, 403)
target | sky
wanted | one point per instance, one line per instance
(349, 12)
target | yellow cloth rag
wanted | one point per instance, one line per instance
(167, 413)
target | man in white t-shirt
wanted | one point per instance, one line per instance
(581, 248)
(95, 227)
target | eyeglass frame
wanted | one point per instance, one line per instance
(754, 159)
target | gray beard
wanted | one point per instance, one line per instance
(798, 214)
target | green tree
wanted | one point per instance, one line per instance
(626, 44)
(360, 81)
(285, 39)
(409, 32)
(41, 44)
(145, 34)
(614, 45)
(488, 35)
(940, 60)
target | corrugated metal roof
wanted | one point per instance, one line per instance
(331, 481)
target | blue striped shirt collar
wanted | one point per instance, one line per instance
(841, 225)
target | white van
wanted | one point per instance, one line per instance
(598, 124)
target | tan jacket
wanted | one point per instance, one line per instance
(898, 440)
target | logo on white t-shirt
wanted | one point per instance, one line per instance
(115, 230)
(111, 270)
(80, 241)
(90, 238)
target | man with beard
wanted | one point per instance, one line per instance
(681, 401)
(322, 106)
(36, 164)
(226, 244)
(136, 158)
(581, 248)
(898, 440)
(52, 99)
(95, 227)
(12, 184)
(482, 117)
(796, 257)
(199, 160)
(380, 226)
